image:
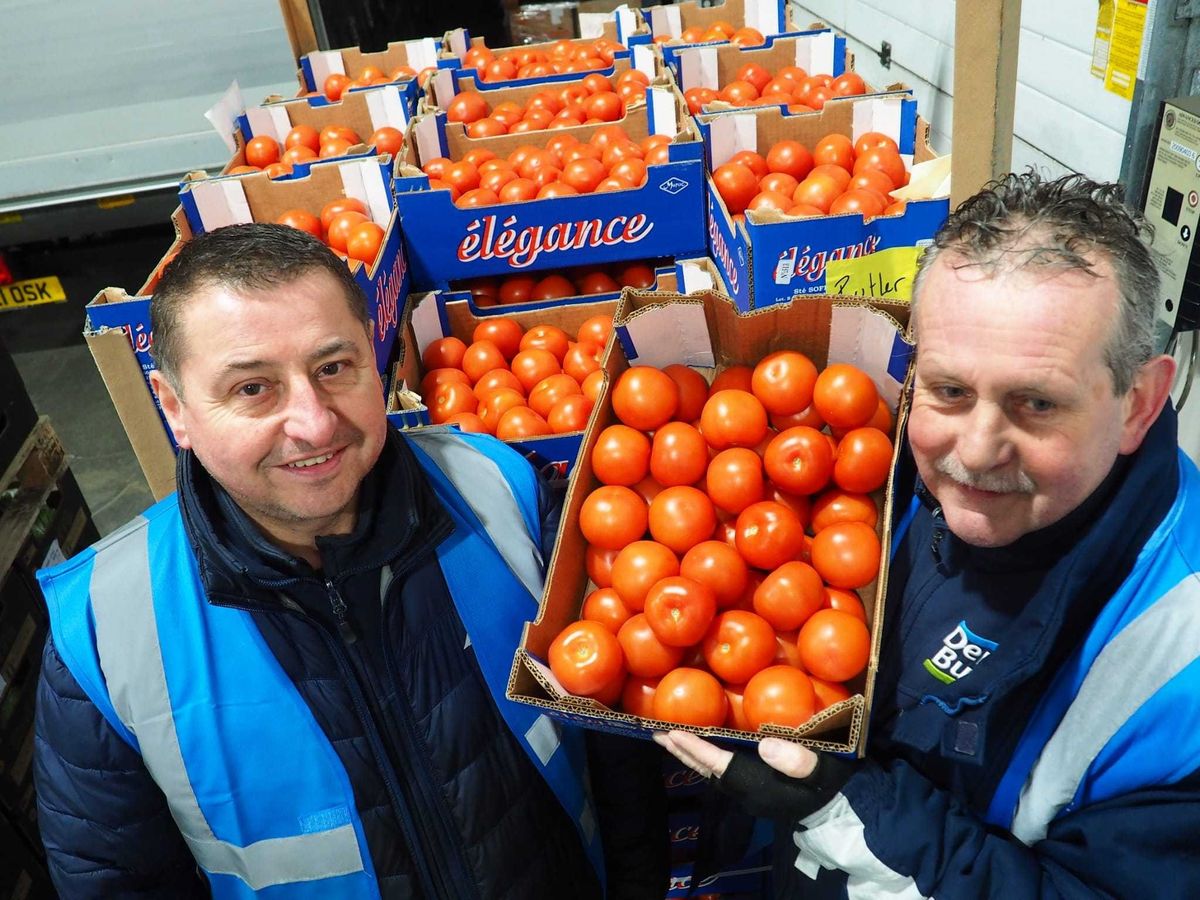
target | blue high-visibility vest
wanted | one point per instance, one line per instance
(253, 783)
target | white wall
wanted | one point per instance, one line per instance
(1064, 120)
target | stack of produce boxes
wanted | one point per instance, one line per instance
(405, 64)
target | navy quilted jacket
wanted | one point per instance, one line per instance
(451, 805)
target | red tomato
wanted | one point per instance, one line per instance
(784, 381)
(717, 565)
(737, 186)
(582, 360)
(592, 384)
(480, 358)
(790, 157)
(532, 365)
(860, 201)
(595, 329)
(303, 136)
(738, 645)
(645, 397)
(638, 275)
(735, 479)
(873, 140)
(849, 84)
(693, 392)
(598, 561)
(303, 220)
(637, 697)
(597, 283)
(747, 37)
(434, 377)
(363, 242)
(495, 379)
(467, 107)
(338, 133)
(874, 180)
(818, 190)
(733, 418)
(585, 657)
(521, 422)
(262, 151)
(546, 337)
(769, 200)
(697, 98)
(469, 422)
(296, 155)
(444, 353)
(496, 403)
(838, 505)
(735, 378)
(518, 190)
(753, 73)
(680, 610)
(621, 455)
(604, 605)
(846, 554)
(504, 332)
(681, 517)
(886, 161)
(449, 399)
(864, 459)
(845, 396)
(335, 83)
(769, 534)
(547, 392)
(570, 414)
(845, 601)
(690, 697)
(789, 595)
(584, 174)
(779, 695)
(834, 645)
(387, 140)
(679, 455)
(739, 93)
(841, 177)
(645, 655)
(638, 567)
(612, 516)
(337, 233)
(779, 183)
(828, 693)
(479, 196)
(799, 460)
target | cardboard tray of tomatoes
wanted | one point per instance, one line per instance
(746, 22)
(398, 58)
(663, 217)
(709, 333)
(769, 258)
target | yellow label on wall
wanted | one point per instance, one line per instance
(31, 292)
(115, 202)
(886, 275)
(1129, 27)
(1103, 40)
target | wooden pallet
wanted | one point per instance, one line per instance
(26, 483)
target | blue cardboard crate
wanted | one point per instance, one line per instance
(817, 52)
(771, 258)
(418, 54)
(663, 217)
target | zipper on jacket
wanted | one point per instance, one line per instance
(338, 605)
(433, 800)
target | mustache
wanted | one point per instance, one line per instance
(1015, 483)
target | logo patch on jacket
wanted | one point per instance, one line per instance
(961, 650)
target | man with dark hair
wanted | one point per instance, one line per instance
(1036, 728)
(289, 676)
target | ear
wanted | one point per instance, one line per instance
(1150, 391)
(172, 407)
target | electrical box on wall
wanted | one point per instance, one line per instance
(1173, 209)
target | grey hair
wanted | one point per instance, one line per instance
(1020, 221)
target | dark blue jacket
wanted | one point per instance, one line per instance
(954, 731)
(397, 690)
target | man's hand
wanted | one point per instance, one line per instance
(711, 761)
(789, 782)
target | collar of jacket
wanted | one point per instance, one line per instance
(1106, 543)
(399, 516)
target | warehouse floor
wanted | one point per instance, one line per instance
(60, 376)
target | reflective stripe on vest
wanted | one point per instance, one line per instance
(481, 481)
(1118, 715)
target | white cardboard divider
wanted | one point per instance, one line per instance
(363, 180)
(223, 114)
(442, 85)
(429, 142)
(698, 68)
(765, 15)
(865, 339)
(387, 108)
(643, 59)
(814, 53)
(457, 39)
(674, 334)
(426, 322)
(421, 53)
(591, 25)
(730, 134)
(695, 277)
(661, 106)
(882, 114)
(626, 23)
(271, 121)
(325, 63)
(664, 20)
(221, 202)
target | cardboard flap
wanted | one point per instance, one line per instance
(421, 53)
(766, 15)
(325, 63)
(664, 20)
(458, 41)
(387, 108)
(644, 60)
(815, 53)
(223, 114)
(220, 202)
(272, 121)
(363, 180)
(442, 86)
(428, 138)
(869, 340)
(698, 68)
(695, 277)
(662, 335)
(627, 23)
(660, 103)
(730, 134)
